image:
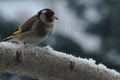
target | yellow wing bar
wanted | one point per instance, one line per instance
(17, 32)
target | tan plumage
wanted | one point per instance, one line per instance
(36, 29)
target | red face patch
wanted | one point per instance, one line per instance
(50, 12)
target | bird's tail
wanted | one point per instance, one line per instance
(10, 38)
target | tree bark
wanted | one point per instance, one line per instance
(47, 64)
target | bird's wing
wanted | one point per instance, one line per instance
(26, 26)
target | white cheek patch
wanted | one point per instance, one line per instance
(42, 17)
(44, 11)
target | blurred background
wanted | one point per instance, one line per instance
(86, 28)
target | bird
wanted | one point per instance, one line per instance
(36, 29)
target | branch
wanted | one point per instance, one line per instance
(46, 63)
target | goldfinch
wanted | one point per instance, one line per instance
(36, 29)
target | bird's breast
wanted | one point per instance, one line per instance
(44, 31)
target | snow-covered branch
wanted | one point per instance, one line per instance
(48, 64)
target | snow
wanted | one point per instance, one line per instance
(89, 61)
(112, 71)
(10, 45)
(68, 25)
(78, 60)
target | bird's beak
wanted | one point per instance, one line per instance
(54, 17)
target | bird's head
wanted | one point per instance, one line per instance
(47, 15)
